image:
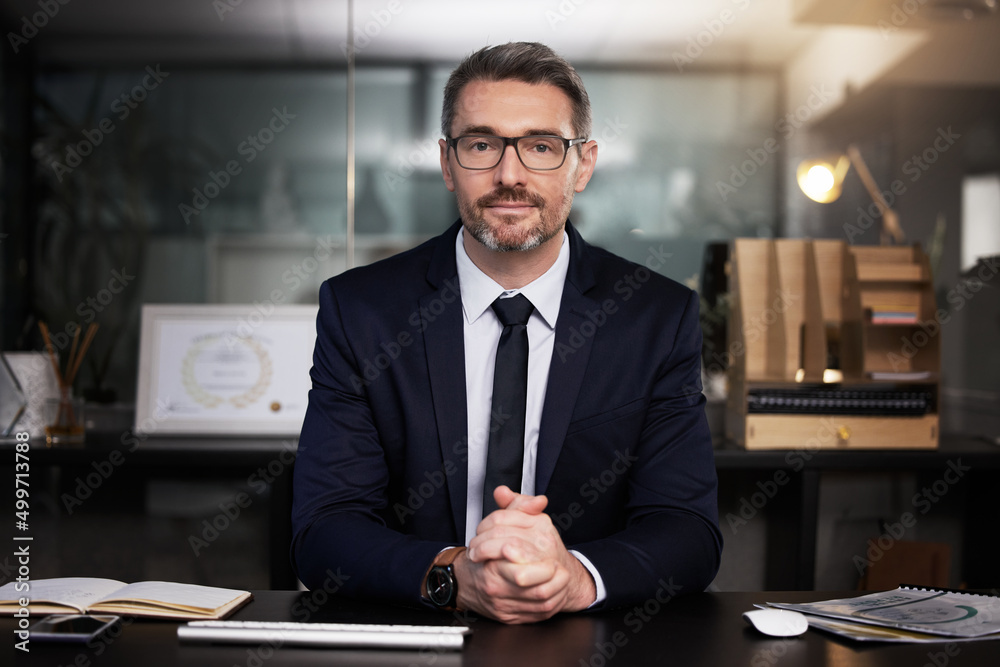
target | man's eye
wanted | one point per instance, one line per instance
(541, 147)
(481, 146)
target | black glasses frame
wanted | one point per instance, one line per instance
(512, 141)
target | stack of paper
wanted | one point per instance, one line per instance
(907, 614)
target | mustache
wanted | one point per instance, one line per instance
(505, 194)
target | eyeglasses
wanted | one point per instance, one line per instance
(541, 152)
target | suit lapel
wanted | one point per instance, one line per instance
(569, 359)
(445, 345)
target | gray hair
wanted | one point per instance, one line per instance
(529, 62)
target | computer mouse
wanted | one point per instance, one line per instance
(777, 622)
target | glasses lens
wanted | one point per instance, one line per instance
(485, 152)
(541, 152)
(479, 152)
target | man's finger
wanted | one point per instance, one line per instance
(498, 544)
(526, 576)
(507, 499)
(486, 549)
(512, 519)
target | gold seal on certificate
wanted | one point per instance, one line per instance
(225, 368)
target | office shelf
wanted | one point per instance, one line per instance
(802, 322)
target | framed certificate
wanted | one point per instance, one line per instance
(224, 369)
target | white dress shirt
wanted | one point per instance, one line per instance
(482, 331)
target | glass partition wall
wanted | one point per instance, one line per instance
(187, 185)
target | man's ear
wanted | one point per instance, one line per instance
(449, 182)
(588, 160)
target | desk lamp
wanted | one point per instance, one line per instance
(822, 180)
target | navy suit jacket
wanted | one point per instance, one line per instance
(624, 452)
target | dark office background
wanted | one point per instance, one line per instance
(183, 91)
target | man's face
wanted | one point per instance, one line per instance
(511, 207)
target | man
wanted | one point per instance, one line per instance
(614, 496)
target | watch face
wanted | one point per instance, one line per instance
(440, 586)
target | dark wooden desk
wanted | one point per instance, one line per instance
(702, 629)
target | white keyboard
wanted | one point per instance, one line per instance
(358, 635)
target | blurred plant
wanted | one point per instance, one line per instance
(96, 210)
(714, 319)
(935, 249)
(713, 316)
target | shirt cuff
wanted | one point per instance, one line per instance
(602, 592)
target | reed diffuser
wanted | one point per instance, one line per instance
(65, 424)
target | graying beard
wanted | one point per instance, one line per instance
(482, 233)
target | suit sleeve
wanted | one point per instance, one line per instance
(339, 538)
(671, 543)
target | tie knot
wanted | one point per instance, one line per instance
(513, 310)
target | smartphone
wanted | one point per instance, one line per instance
(77, 629)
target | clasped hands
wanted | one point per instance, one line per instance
(517, 569)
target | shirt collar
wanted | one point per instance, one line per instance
(479, 291)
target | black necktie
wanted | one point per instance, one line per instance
(505, 456)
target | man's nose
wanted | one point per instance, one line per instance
(510, 171)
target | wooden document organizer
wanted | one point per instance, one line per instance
(802, 307)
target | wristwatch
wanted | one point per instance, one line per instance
(440, 584)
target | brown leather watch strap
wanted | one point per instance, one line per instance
(447, 557)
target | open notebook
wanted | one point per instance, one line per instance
(156, 599)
